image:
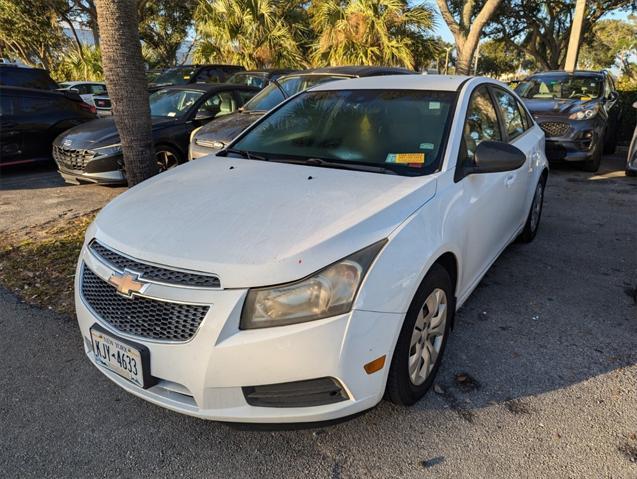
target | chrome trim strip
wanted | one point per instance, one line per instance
(106, 263)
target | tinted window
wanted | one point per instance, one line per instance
(210, 75)
(175, 76)
(511, 114)
(172, 103)
(402, 130)
(561, 86)
(248, 79)
(245, 96)
(97, 89)
(27, 78)
(481, 123)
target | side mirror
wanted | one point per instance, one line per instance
(635, 105)
(204, 115)
(494, 157)
(613, 96)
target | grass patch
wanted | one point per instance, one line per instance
(39, 266)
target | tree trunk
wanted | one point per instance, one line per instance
(126, 83)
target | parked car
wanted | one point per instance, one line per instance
(631, 160)
(26, 77)
(92, 152)
(189, 74)
(578, 111)
(103, 105)
(316, 264)
(30, 119)
(216, 135)
(86, 90)
(258, 78)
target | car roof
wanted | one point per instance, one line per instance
(207, 87)
(30, 91)
(199, 65)
(362, 70)
(399, 82)
(576, 72)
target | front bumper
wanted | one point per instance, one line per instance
(204, 376)
(196, 151)
(576, 141)
(105, 170)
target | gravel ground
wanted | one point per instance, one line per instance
(539, 379)
(32, 195)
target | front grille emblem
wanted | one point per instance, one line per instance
(127, 283)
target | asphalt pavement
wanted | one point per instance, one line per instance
(539, 379)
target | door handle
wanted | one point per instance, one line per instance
(509, 180)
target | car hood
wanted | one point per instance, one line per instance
(556, 107)
(257, 223)
(100, 132)
(228, 127)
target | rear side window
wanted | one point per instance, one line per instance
(27, 78)
(481, 124)
(512, 115)
(98, 89)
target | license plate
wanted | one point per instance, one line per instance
(129, 360)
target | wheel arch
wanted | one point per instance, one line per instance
(183, 157)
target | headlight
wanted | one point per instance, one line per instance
(327, 293)
(584, 114)
(108, 150)
(214, 144)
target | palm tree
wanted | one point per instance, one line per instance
(126, 82)
(252, 33)
(369, 32)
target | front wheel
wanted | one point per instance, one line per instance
(592, 165)
(167, 158)
(422, 339)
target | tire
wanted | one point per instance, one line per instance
(611, 143)
(403, 386)
(535, 213)
(631, 172)
(167, 157)
(592, 165)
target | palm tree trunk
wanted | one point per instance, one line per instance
(126, 83)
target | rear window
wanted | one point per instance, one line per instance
(27, 78)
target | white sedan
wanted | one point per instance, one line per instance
(317, 262)
(86, 89)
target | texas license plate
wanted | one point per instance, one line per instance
(125, 358)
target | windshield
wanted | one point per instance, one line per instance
(175, 76)
(172, 103)
(250, 79)
(401, 130)
(271, 96)
(561, 87)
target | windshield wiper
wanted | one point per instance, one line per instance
(337, 164)
(246, 154)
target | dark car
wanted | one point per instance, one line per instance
(217, 134)
(258, 78)
(92, 152)
(30, 119)
(631, 159)
(189, 74)
(25, 77)
(578, 111)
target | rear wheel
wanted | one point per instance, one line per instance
(535, 213)
(422, 339)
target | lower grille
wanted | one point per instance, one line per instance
(139, 316)
(72, 159)
(313, 392)
(555, 128)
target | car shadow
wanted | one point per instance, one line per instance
(30, 176)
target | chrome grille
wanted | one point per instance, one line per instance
(139, 316)
(154, 273)
(72, 159)
(555, 128)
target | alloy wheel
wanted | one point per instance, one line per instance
(166, 160)
(427, 336)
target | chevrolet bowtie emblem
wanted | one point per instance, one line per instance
(126, 283)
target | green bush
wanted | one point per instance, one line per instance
(629, 114)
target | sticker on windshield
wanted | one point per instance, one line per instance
(434, 105)
(409, 159)
(426, 146)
